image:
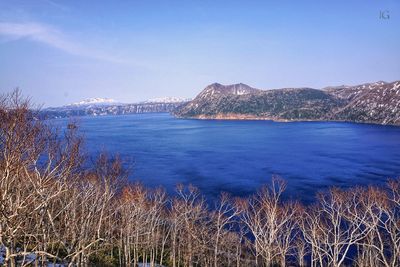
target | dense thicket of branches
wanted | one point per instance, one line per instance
(52, 209)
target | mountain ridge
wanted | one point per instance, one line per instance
(106, 106)
(93, 101)
(377, 102)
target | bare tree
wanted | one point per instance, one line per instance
(189, 227)
(381, 246)
(31, 163)
(335, 225)
(222, 218)
(271, 222)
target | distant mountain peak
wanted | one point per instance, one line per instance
(232, 89)
(93, 101)
(215, 85)
(363, 86)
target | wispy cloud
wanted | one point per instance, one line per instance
(56, 5)
(50, 36)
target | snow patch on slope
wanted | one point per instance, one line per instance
(93, 101)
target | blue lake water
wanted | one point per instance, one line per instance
(240, 156)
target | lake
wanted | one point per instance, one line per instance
(240, 156)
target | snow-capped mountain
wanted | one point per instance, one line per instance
(97, 101)
(108, 106)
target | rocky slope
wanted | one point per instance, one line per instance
(371, 103)
(375, 102)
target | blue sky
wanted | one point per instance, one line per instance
(60, 52)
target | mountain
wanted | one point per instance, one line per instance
(216, 90)
(374, 102)
(369, 103)
(93, 101)
(107, 106)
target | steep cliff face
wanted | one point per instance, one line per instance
(375, 102)
(117, 109)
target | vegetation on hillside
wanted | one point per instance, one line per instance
(373, 103)
(54, 209)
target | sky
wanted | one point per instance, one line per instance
(59, 52)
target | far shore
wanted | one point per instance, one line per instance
(249, 117)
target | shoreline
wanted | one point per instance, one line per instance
(244, 117)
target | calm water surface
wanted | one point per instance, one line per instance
(240, 156)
